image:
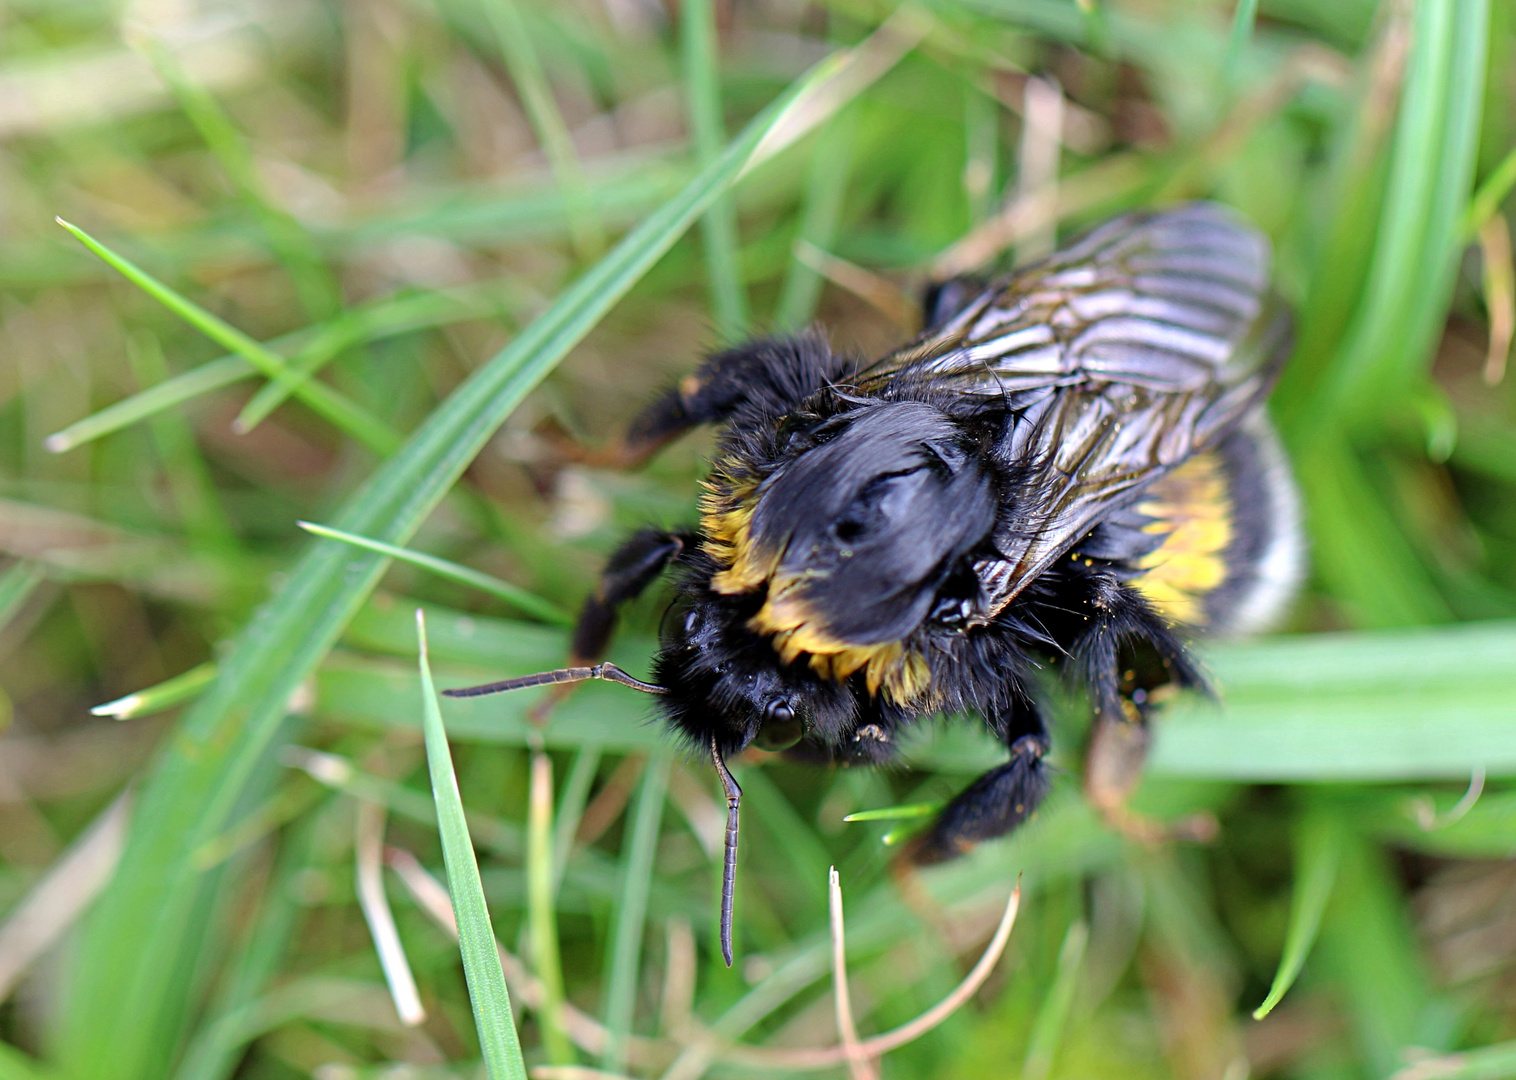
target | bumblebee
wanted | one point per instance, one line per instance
(1070, 466)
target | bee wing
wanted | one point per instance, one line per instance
(1120, 356)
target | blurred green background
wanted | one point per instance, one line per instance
(381, 249)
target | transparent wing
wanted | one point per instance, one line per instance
(1120, 356)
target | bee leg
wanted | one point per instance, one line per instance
(774, 374)
(1120, 734)
(998, 801)
(632, 568)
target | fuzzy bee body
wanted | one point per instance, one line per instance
(1069, 466)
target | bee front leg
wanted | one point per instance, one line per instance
(631, 569)
(999, 800)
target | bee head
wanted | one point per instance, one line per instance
(726, 683)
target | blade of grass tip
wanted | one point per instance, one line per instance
(542, 921)
(320, 398)
(718, 228)
(17, 586)
(1242, 33)
(368, 864)
(292, 245)
(1318, 850)
(488, 996)
(165, 695)
(1491, 194)
(895, 813)
(521, 60)
(387, 318)
(631, 911)
(1047, 1029)
(148, 403)
(514, 595)
(137, 932)
(826, 182)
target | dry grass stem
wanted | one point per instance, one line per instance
(368, 851)
(1041, 143)
(880, 293)
(858, 1063)
(57, 900)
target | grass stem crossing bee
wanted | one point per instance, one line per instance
(1069, 466)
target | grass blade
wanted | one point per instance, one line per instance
(476, 936)
(321, 399)
(1318, 849)
(547, 122)
(718, 228)
(631, 911)
(542, 920)
(825, 186)
(17, 586)
(1242, 33)
(512, 594)
(165, 695)
(137, 936)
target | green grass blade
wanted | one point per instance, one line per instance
(625, 957)
(136, 936)
(165, 695)
(1052, 1017)
(1492, 192)
(1318, 849)
(321, 399)
(1420, 227)
(718, 228)
(291, 244)
(511, 33)
(1496, 1062)
(476, 936)
(542, 919)
(514, 595)
(826, 183)
(308, 350)
(400, 315)
(17, 586)
(896, 813)
(1242, 33)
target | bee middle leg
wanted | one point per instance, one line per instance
(999, 800)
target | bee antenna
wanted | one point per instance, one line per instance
(729, 861)
(608, 672)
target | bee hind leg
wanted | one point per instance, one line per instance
(1131, 658)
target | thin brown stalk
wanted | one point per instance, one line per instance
(859, 1066)
(1041, 146)
(678, 1002)
(880, 293)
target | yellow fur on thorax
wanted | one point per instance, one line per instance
(1192, 506)
(726, 516)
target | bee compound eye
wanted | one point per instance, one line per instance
(781, 728)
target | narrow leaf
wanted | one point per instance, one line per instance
(476, 936)
(1318, 849)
